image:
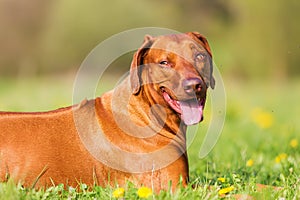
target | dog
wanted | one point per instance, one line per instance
(136, 132)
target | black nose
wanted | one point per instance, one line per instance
(192, 86)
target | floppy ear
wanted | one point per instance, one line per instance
(135, 69)
(203, 42)
(202, 39)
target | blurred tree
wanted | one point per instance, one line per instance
(205, 13)
(263, 41)
(76, 27)
(249, 38)
(21, 23)
(291, 26)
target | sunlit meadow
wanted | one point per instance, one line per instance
(257, 154)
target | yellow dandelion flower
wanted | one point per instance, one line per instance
(118, 193)
(294, 143)
(222, 180)
(225, 190)
(250, 163)
(277, 159)
(144, 192)
(280, 157)
(283, 156)
(262, 118)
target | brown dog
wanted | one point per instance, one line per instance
(135, 132)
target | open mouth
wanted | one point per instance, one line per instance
(191, 111)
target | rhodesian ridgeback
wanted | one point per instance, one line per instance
(135, 132)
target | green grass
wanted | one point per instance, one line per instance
(257, 145)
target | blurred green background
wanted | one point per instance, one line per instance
(255, 44)
(250, 39)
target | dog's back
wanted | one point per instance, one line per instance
(35, 143)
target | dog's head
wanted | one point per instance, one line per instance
(175, 70)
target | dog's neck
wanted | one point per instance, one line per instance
(145, 114)
(121, 149)
(135, 131)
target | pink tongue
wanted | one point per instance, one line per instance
(191, 112)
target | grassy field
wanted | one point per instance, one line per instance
(259, 143)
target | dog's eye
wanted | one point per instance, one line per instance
(164, 63)
(200, 56)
